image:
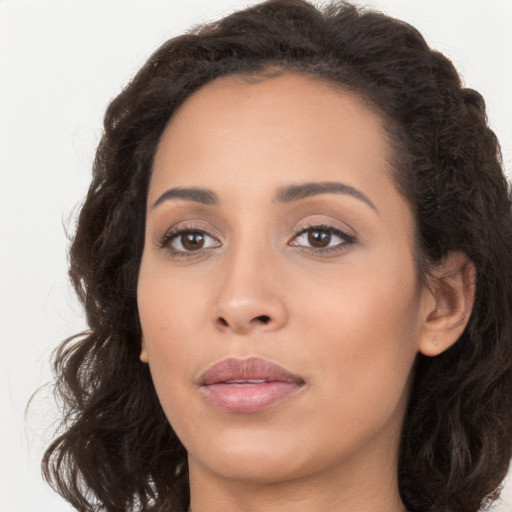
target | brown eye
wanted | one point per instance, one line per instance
(192, 241)
(319, 238)
(189, 241)
(322, 239)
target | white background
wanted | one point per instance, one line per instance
(60, 64)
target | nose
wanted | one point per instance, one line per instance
(250, 298)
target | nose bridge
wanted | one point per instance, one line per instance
(249, 296)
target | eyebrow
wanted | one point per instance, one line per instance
(198, 195)
(287, 194)
(292, 193)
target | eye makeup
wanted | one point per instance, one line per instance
(190, 240)
(322, 239)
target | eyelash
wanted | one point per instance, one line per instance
(347, 239)
(174, 234)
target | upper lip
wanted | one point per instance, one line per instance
(252, 368)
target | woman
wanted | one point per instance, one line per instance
(295, 258)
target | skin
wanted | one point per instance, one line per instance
(350, 320)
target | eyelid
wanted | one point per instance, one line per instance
(183, 227)
(346, 234)
(348, 238)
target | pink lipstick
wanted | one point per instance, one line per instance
(248, 385)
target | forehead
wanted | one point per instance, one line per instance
(269, 131)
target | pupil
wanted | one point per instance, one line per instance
(193, 241)
(319, 238)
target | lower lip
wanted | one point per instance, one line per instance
(249, 398)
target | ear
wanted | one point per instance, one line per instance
(450, 296)
(143, 352)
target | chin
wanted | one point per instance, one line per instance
(256, 468)
(262, 459)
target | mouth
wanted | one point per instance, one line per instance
(248, 385)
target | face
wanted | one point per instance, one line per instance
(278, 294)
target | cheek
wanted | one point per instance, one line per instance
(167, 326)
(168, 354)
(169, 304)
(364, 325)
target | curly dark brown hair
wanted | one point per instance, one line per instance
(115, 450)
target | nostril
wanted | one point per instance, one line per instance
(223, 322)
(264, 319)
(241, 324)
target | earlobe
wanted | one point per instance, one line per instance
(143, 352)
(451, 289)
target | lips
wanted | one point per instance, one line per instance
(248, 385)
